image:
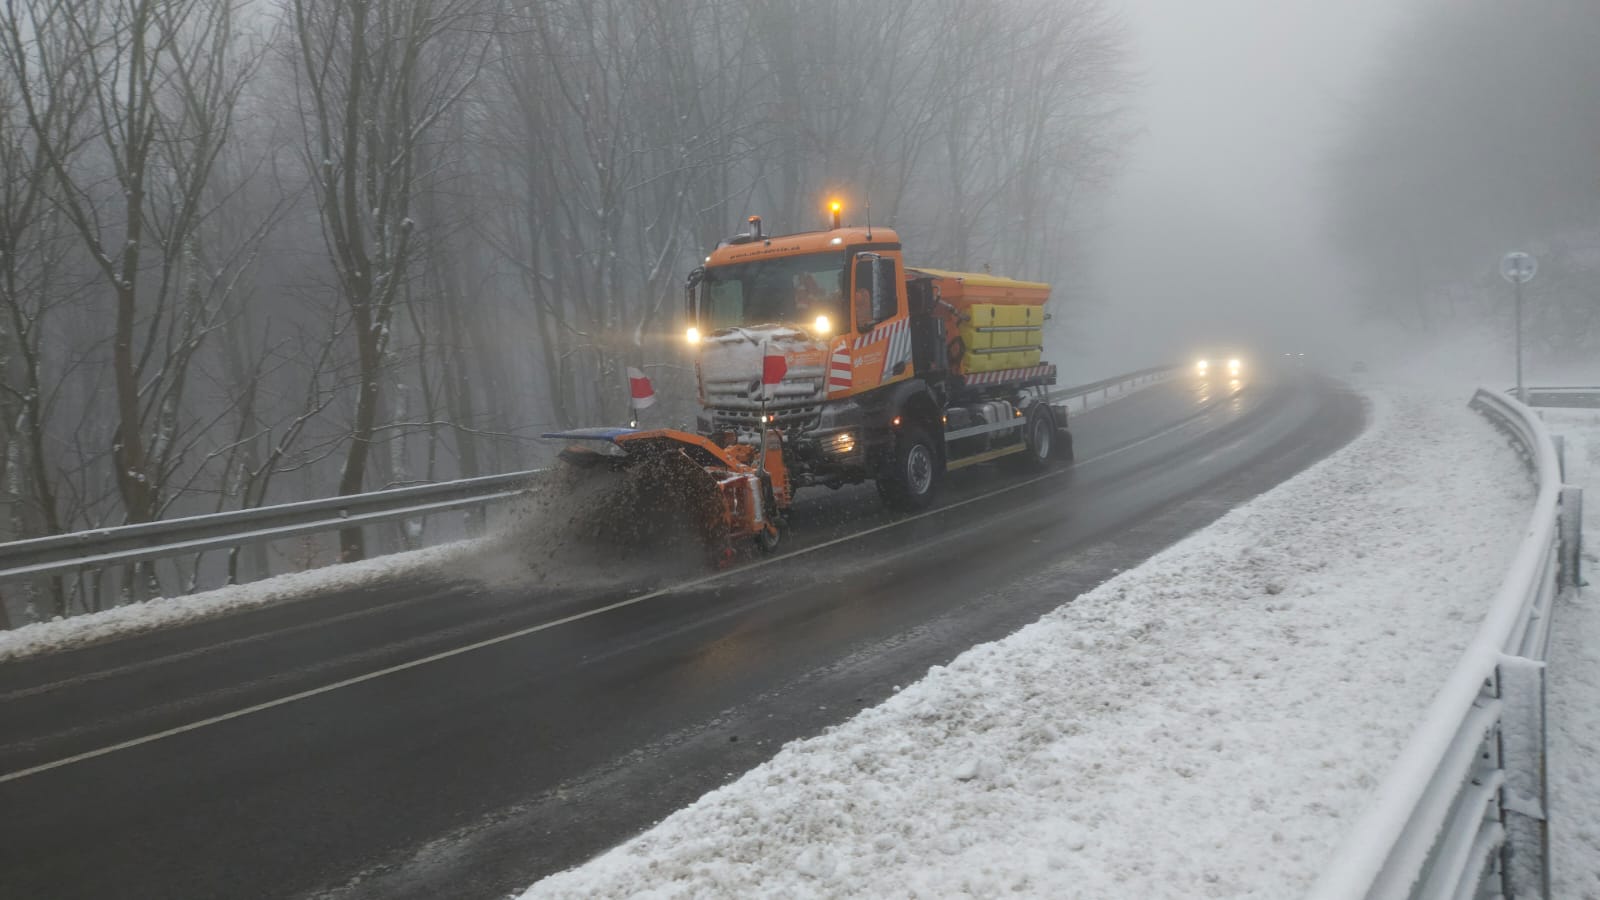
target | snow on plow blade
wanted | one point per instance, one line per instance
(585, 457)
(666, 476)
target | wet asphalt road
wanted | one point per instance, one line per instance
(452, 738)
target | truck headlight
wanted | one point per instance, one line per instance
(843, 443)
(1202, 366)
(822, 326)
(692, 335)
(1234, 366)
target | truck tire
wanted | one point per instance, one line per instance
(769, 541)
(911, 477)
(1040, 436)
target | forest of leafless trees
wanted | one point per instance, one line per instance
(1479, 133)
(262, 250)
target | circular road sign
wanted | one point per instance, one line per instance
(1518, 267)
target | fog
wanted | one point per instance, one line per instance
(257, 252)
(1343, 179)
(1215, 235)
(247, 258)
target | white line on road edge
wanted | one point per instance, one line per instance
(533, 629)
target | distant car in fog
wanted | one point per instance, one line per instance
(1218, 365)
(1359, 367)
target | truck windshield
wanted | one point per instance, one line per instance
(786, 291)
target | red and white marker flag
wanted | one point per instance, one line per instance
(643, 394)
(773, 367)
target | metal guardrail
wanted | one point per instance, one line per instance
(1463, 811)
(1103, 387)
(1562, 397)
(178, 537)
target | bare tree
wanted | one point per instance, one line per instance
(373, 81)
(31, 263)
(161, 79)
(489, 252)
(1471, 139)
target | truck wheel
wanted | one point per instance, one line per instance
(767, 541)
(912, 477)
(1041, 438)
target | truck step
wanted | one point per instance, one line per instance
(973, 460)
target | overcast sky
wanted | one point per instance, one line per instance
(1215, 232)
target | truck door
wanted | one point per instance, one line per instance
(883, 350)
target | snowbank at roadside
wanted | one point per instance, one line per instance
(1206, 725)
(1573, 690)
(89, 628)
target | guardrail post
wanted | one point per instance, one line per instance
(1525, 856)
(1571, 529)
(1560, 440)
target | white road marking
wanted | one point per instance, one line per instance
(534, 629)
(256, 637)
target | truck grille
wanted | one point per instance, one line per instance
(800, 386)
(793, 422)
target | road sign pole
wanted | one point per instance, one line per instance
(1522, 392)
(1519, 268)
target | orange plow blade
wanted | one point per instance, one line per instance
(669, 479)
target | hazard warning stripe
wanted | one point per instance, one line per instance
(898, 334)
(887, 330)
(1010, 375)
(840, 368)
(839, 374)
(899, 350)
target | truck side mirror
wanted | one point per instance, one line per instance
(861, 293)
(873, 299)
(691, 295)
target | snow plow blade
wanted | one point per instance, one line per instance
(731, 498)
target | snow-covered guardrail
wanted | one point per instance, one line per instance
(1573, 397)
(1464, 806)
(103, 547)
(176, 537)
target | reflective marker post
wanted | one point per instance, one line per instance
(1519, 268)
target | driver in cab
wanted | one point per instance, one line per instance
(811, 301)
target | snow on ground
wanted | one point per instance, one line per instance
(58, 634)
(1573, 690)
(1206, 725)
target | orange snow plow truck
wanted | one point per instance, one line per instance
(823, 359)
(895, 374)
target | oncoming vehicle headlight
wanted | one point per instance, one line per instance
(1234, 366)
(692, 335)
(843, 443)
(822, 326)
(1202, 366)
